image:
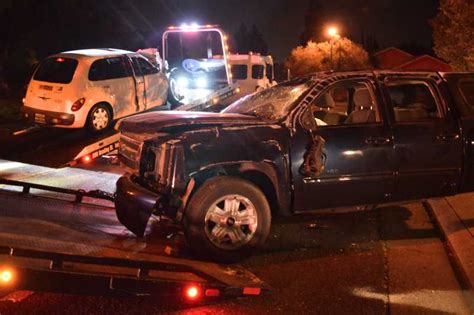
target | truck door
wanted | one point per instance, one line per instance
(357, 154)
(461, 87)
(427, 138)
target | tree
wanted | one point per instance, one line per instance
(241, 39)
(453, 33)
(370, 43)
(257, 42)
(313, 23)
(346, 55)
(250, 40)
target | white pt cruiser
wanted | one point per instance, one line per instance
(92, 87)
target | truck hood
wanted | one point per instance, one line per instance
(153, 122)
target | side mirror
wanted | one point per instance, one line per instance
(307, 120)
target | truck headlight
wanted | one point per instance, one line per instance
(201, 83)
(182, 82)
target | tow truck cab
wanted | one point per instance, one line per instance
(196, 59)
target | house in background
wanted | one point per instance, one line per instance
(396, 59)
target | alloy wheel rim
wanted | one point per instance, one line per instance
(100, 118)
(174, 89)
(231, 222)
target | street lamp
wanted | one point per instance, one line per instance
(333, 34)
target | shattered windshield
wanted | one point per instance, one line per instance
(271, 104)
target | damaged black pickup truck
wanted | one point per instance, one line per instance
(321, 141)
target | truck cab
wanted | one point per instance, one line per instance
(196, 59)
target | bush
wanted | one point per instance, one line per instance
(346, 55)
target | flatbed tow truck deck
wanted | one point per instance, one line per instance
(55, 241)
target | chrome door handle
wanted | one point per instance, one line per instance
(377, 141)
(447, 136)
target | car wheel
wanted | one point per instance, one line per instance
(227, 219)
(99, 119)
(174, 94)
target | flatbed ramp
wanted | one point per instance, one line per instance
(60, 245)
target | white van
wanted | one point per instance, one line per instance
(92, 87)
(252, 71)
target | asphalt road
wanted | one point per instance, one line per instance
(384, 261)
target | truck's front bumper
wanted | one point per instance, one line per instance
(134, 204)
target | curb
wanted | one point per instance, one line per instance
(459, 241)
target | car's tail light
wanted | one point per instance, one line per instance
(78, 104)
(212, 293)
(252, 291)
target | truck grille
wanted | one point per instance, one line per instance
(130, 151)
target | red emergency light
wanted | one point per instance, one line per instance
(192, 292)
(6, 276)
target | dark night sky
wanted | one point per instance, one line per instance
(392, 22)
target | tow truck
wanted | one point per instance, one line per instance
(64, 236)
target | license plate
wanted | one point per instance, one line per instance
(40, 118)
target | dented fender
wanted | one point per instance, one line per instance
(274, 181)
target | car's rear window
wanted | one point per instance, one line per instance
(467, 91)
(56, 70)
